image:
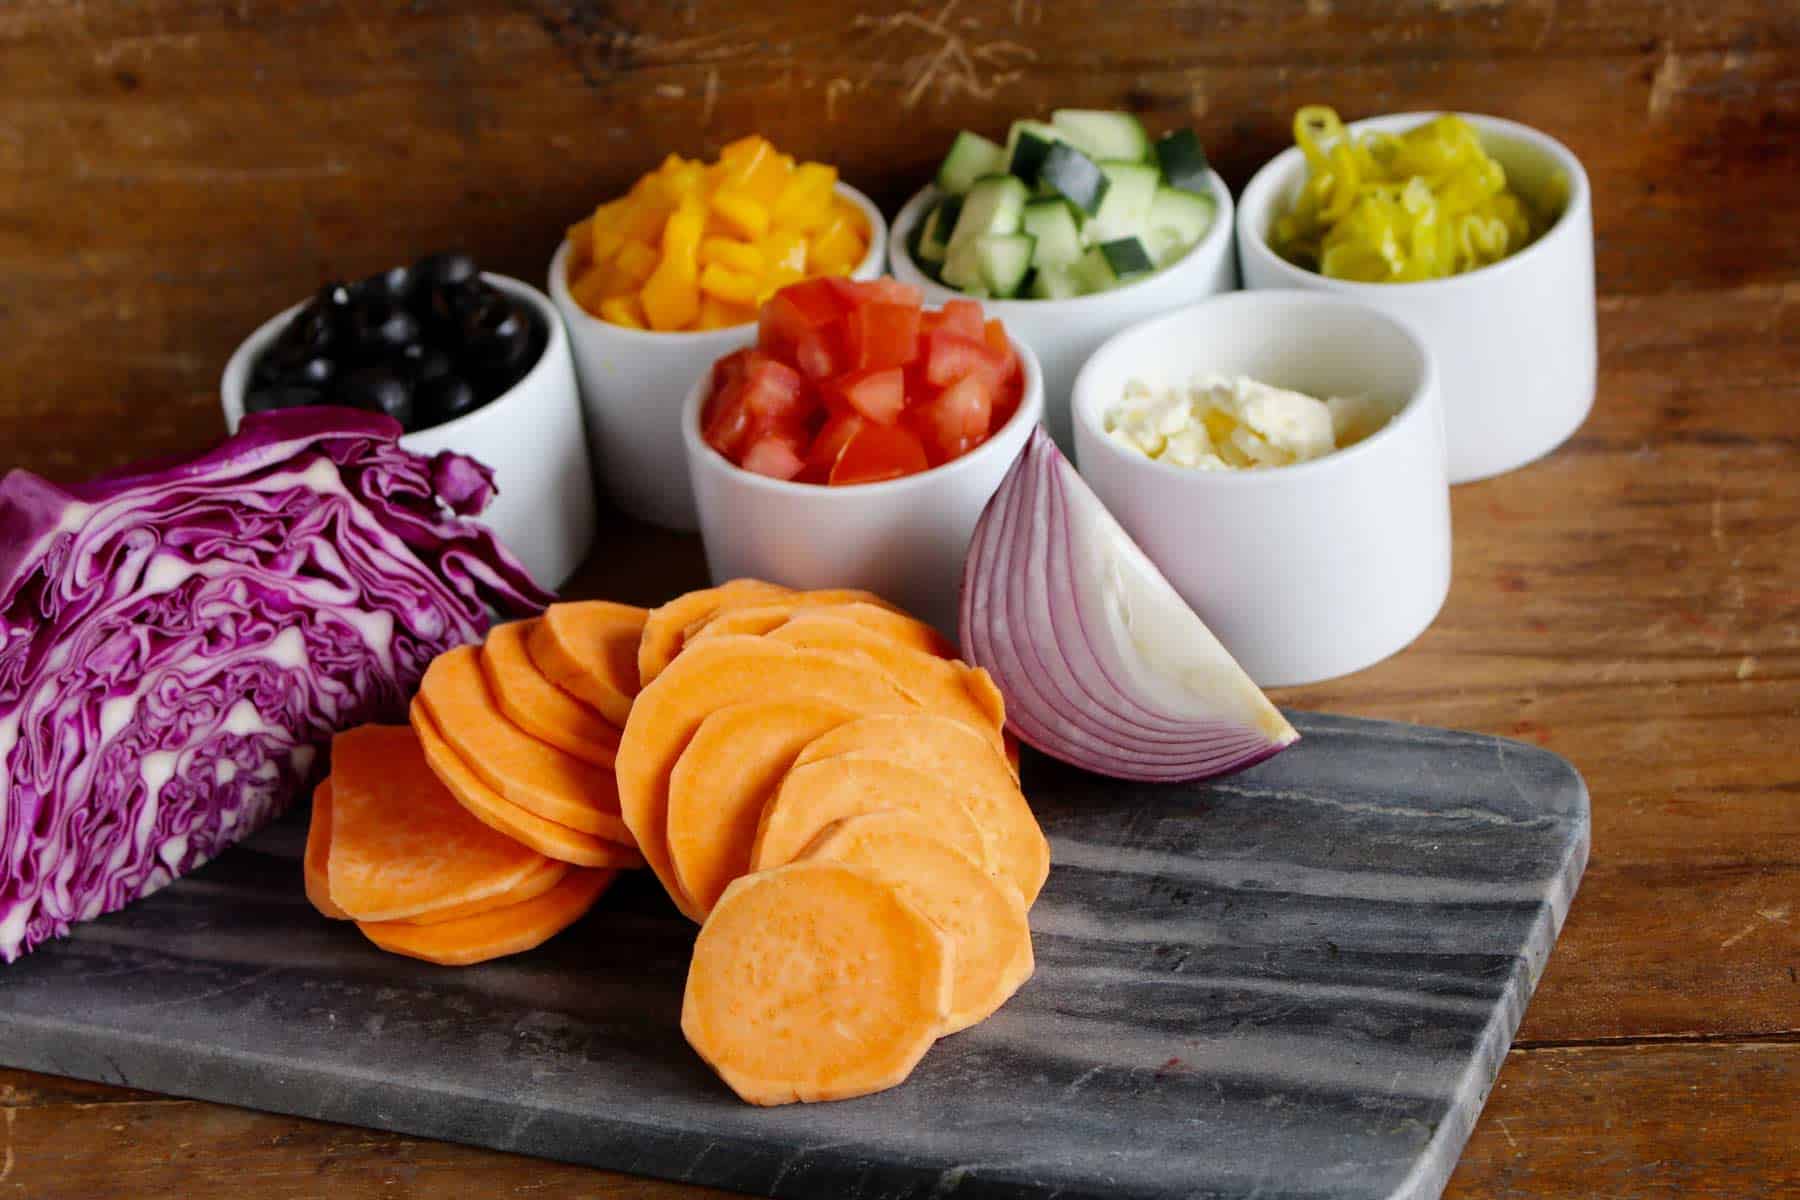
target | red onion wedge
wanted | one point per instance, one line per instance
(1102, 663)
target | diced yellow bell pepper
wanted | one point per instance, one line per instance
(635, 262)
(589, 290)
(805, 201)
(606, 242)
(681, 236)
(684, 181)
(741, 214)
(728, 252)
(643, 220)
(716, 314)
(734, 287)
(744, 150)
(836, 248)
(783, 251)
(623, 310)
(581, 246)
(671, 297)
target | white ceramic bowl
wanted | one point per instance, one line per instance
(632, 381)
(1515, 341)
(904, 539)
(531, 436)
(1064, 332)
(1304, 572)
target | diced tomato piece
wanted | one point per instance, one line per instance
(728, 422)
(878, 452)
(878, 395)
(795, 312)
(959, 417)
(1001, 347)
(950, 358)
(773, 456)
(880, 334)
(815, 357)
(772, 389)
(830, 443)
(964, 317)
(892, 291)
(730, 369)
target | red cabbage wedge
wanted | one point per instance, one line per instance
(1102, 663)
(178, 642)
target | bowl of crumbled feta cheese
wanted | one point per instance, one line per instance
(1280, 456)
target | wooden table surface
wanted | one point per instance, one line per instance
(173, 171)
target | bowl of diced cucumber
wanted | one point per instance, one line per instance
(1071, 230)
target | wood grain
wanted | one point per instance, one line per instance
(171, 172)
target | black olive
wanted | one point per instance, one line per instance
(376, 389)
(427, 362)
(383, 327)
(497, 334)
(445, 398)
(448, 269)
(396, 283)
(312, 329)
(267, 399)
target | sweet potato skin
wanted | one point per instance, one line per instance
(494, 810)
(982, 913)
(707, 677)
(315, 870)
(589, 648)
(862, 989)
(497, 932)
(722, 781)
(536, 704)
(947, 748)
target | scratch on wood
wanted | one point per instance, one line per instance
(670, 91)
(837, 87)
(710, 98)
(1746, 666)
(953, 65)
(1666, 84)
(6, 1156)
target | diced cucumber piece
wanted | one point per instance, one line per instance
(1183, 162)
(971, 156)
(1075, 177)
(962, 267)
(1102, 134)
(1125, 210)
(1052, 223)
(1005, 261)
(1109, 264)
(934, 233)
(1177, 220)
(1027, 142)
(994, 204)
(1054, 283)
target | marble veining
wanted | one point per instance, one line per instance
(1297, 984)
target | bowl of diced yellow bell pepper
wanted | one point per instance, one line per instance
(657, 284)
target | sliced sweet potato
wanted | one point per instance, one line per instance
(948, 749)
(761, 618)
(538, 705)
(951, 688)
(724, 778)
(318, 855)
(707, 677)
(983, 914)
(814, 796)
(818, 981)
(589, 649)
(666, 626)
(531, 887)
(497, 932)
(494, 810)
(534, 775)
(400, 844)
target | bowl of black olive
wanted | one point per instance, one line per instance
(466, 361)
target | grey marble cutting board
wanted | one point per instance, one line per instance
(1297, 983)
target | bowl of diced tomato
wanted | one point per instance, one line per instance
(853, 439)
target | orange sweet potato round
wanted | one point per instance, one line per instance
(497, 932)
(589, 648)
(666, 627)
(775, 1006)
(703, 679)
(948, 749)
(814, 796)
(763, 618)
(537, 704)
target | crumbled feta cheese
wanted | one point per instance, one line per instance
(1224, 423)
